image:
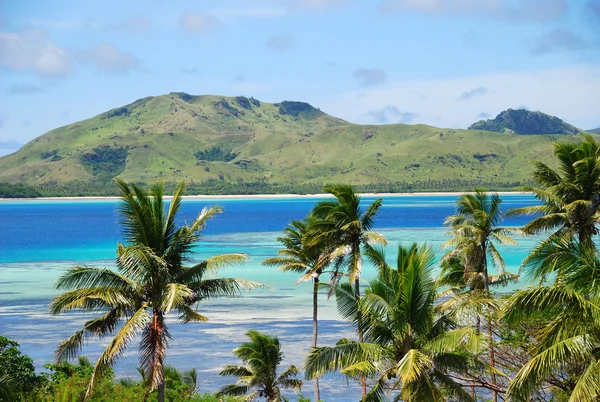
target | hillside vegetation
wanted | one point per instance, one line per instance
(522, 121)
(241, 145)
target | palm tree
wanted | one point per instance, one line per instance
(341, 222)
(407, 347)
(570, 198)
(475, 229)
(262, 356)
(150, 282)
(569, 334)
(298, 255)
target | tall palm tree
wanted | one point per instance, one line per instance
(301, 256)
(342, 222)
(408, 350)
(150, 282)
(570, 198)
(262, 356)
(569, 337)
(474, 230)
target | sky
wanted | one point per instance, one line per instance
(446, 63)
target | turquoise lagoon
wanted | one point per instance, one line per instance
(39, 239)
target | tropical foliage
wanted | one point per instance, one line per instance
(258, 376)
(419, 338)
(150, 282)
(407, 346)
(570, 200)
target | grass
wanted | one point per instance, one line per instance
(277, 150)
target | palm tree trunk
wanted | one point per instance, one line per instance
(492, 358)
(158, 363)
(315, 332)
(486, 283)
(363, 380)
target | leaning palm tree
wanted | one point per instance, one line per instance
(475, 229)
(409, 351)
(258, 378)
(310, 260)
(342, 222)
(150, 282)
(570, 199)
(569, 336)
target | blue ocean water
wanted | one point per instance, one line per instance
(39, 239)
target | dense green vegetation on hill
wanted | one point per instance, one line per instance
(522, 121)
(240, 145)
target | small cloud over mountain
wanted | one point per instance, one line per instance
(370, 76)
(238, 79)
(465, 96)
(108, 58)
(391, 114)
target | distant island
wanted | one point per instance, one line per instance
(241, 145)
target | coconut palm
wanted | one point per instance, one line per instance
(569, 338)
(475, 229)
(258, 378)
(342, 222)
(150, 282)
(408, 350)
(300, 256)
(570, 199)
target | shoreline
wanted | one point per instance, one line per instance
(259, 196)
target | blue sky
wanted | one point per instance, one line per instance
(445, 63)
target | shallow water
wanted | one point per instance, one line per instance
(40, 239)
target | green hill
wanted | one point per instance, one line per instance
(525, 122)
(241, 145)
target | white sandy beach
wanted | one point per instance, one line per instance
(256, 196)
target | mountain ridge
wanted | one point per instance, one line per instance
(525, 122)
(237, 144)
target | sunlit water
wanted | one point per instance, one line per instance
(40, 239)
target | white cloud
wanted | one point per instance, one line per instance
(370, 76)
(199, 23)
(569, 93)
(109, 58)
(32, 51)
